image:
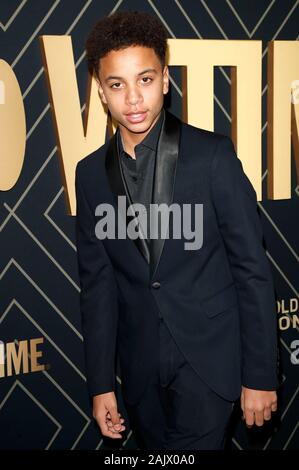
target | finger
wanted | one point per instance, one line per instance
(109, 416)
(105, 429)
(259, 418)
(108, 420)
(267, 414)
(116, 428)
(242, 402)
(101, 420)
(249, 418)
(111, 434)
(115, 418)
(112, 428)
(114, 414)
(114, 431)
(274, 406)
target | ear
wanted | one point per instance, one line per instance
(165, 80)
(101, 91)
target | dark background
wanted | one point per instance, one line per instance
(39, 285)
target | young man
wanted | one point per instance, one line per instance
(195, 329)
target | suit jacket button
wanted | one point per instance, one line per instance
(156, 285)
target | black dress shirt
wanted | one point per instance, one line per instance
(139, 173)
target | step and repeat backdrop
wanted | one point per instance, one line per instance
(43, 396)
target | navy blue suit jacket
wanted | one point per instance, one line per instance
(218, 301)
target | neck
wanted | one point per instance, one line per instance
(131, 139)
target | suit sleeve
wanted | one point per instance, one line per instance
(235, 204)
(98, 299)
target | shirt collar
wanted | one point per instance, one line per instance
(150, 140)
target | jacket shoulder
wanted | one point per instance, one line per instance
(199, 142)
(92, 163)
(195, 134)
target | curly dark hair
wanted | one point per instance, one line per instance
(125, 29)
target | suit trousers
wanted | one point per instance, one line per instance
(178, 410)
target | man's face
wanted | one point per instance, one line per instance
(132, 84)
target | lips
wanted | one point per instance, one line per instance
(136, 117)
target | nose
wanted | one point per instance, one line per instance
(133, 95)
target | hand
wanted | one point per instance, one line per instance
(257, 405)
(106, 414)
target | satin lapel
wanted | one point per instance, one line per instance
(166, 160)
(119, 188)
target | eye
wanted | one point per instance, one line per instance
(148, 79)
(117, 83)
